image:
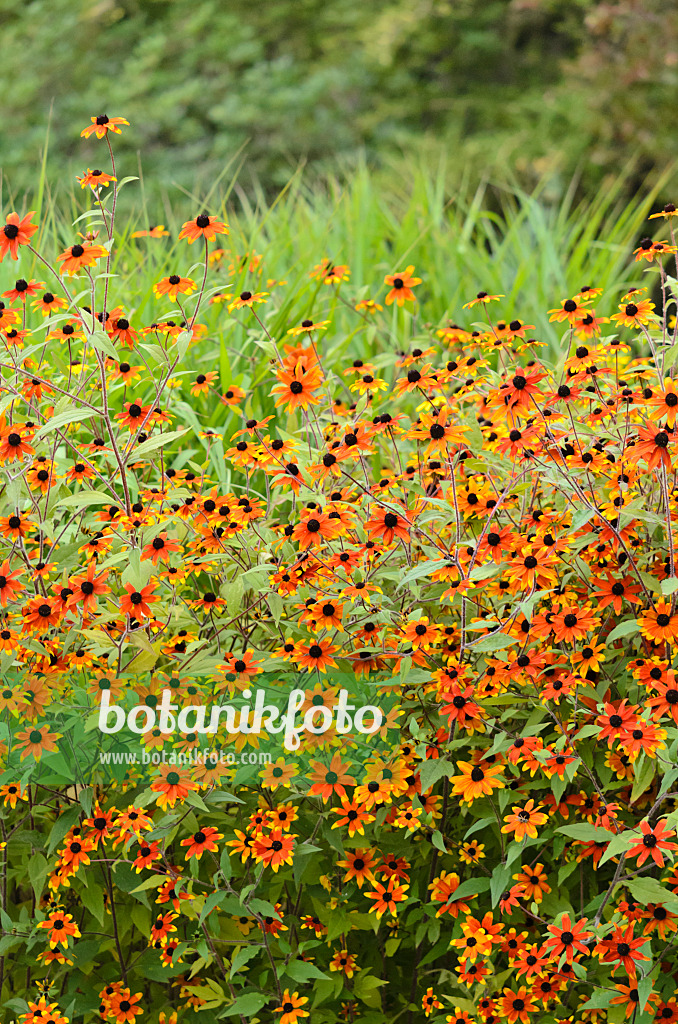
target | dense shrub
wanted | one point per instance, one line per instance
(469, 532)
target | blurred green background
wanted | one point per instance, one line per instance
(507, 88)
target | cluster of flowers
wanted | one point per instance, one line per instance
(473, 528)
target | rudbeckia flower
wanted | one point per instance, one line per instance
(101, 125)
(78, 256)
(202, 226)
(15, 232)
(401, 285)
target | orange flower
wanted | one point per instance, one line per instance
(137, 603)
(517, 1006)
(174, 285)
(291, 1007)
(173, 785)
(10, 587)
(95, 179)
(101, 125)
(387, 897)
(476, 780)
(15, 232)
(60, 926)
(203, 839)
(401, 286)
(36, 741)
(659, 623)
(202, 226)
(78, 256)
(14, 442)
(275, 849)
(652, 842)
(297, 387)
(523, 822)
(317, 656)
(330, 779)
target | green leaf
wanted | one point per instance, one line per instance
(646, 889)
(438, 841)
(601, 998)
(618, 844)
(419, 571)
(624, 628)
(61, 826)
(93, 898)
(37, 872)
(72, 415)
(586, 833)
(243, 956)
(213, 900)
(432, 770)
(299, 970)
(246, 1005)
(471, 887)
(83, 499)
(499, 882)
(154, 443)
(493, 642)
(643, 778)
(102, 343)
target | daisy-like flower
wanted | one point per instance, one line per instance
(634, 314)
(484, 298)
(387, 897)
(297, 387)
(317, 656)
(203, 839)
(16, 231)
(330, 273)
(401, 285)
(154, 231)
(78, 256)
(653, 843)
(88, 588)
(277, 774)
(125, 1006)
(329, 779)
(308, 326)
(36, 741)
(174, 285)
(95, 179)
(567, 938)
(22, 289)
(523, 821)
(247, 300)
(101, 125)
(649, 250)
(665, 403)
(430, 1002)
(622, 949)
(137, 603)
(173, 785)
(202, 226)
(570, 310)
(659, 623)
(10, 585)
(352, 815)
(290, 1007)
(50, 303)
(275, 849)
(60, 927)
(476, 780)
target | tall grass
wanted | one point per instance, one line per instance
(500, 239)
